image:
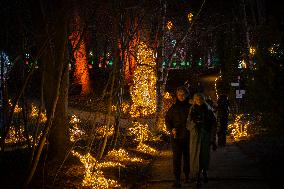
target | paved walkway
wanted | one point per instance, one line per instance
(229, 169)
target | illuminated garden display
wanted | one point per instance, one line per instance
(81, 64)
(143, 89)
(85, 86)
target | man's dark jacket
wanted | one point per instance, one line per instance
(176, 117)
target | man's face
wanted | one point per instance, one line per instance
(181, 95)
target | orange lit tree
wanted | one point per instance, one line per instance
(81, 73)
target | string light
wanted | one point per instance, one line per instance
(75, 132)
(34, 113)
(143, 90)
(242, 64)
(190, 16)
(102, 130)
(125, 107)
(170, 25)
(140, 131)
(272, 50)
(15, 135)
(252, 51)
(94, 177)
(163, 127)
(239, 128)
(167, 95)
(146, 149)
(17, 108)
(121, 156)
(216, 81)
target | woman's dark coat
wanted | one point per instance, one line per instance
(201, 123)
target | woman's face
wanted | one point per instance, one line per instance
(198, 100)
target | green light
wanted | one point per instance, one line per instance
(200, 62)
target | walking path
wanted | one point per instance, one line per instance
(229, 169)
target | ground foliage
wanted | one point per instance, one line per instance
(265, 147)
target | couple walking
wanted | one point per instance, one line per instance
(193, 130)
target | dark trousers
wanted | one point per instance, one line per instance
(222, 131)
(180, 148)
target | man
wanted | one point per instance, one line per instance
(175, 119)
(223, 110)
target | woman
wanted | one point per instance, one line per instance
(201, 124)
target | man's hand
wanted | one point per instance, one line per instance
(174, 132)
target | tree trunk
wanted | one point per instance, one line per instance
(161, 58)
(53, 59)
(118, 69)
(59, 134)
(247, 37)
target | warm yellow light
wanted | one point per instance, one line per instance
(170, 25)
(101, 131)
(15, 135)
(243, 64)
(125, 107)
(272, 50)
(35, 113)
(216, 80)
(121, 156)
(252, 51)
(75, 132)
(146, 149)
(140, 131)
(94, 177)
(163, 127)
(239, 128)
(17, 108)
(143, 90)
(167, 95)
(190, 16)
